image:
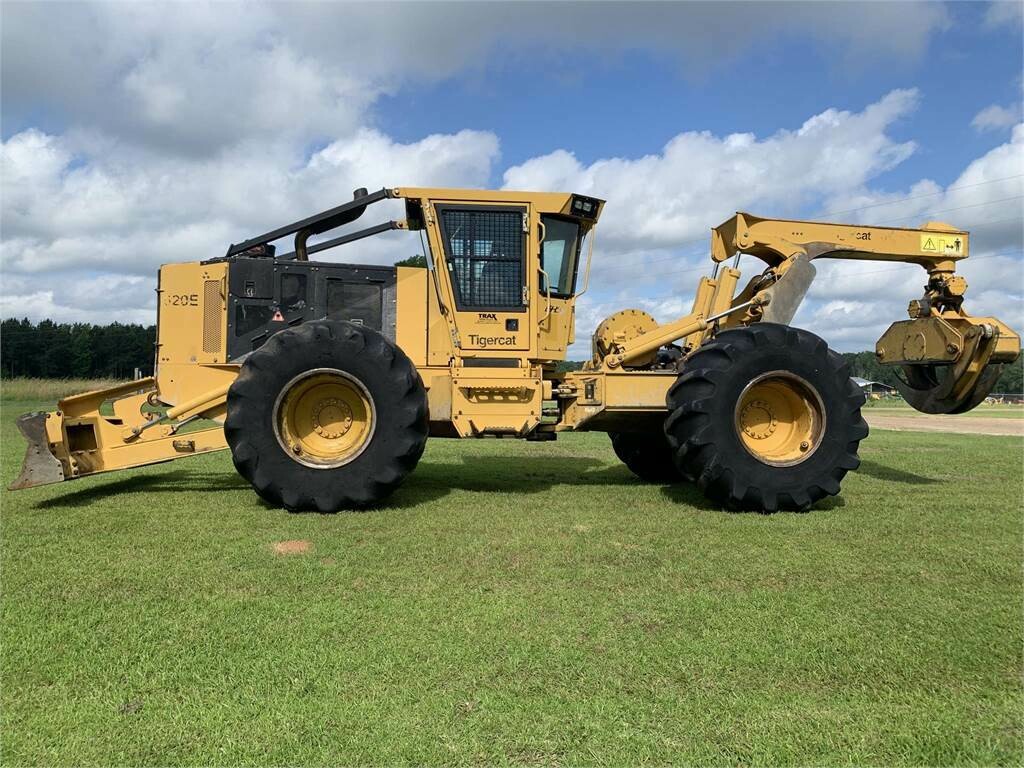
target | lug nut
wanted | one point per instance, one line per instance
(804, 445)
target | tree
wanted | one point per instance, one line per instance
(1011, 381)
(81, 362)
(419, 260)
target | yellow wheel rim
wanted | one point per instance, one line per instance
(780, 419)
(324, 418)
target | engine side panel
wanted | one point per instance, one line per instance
(269, 295)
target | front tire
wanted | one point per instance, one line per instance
(765, 418)
(326, 416)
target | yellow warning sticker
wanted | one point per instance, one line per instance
(946, 245)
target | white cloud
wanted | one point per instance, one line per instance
(124, 216)
(996, 117)
(986, 196)
(700, 179)
(81, 301)
(1004, 13)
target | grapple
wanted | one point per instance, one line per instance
(950, 362)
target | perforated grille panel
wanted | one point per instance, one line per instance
(485, 253)
(213, 311)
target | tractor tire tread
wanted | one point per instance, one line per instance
(401, 412)
(700, 425)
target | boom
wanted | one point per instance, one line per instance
(950, 360)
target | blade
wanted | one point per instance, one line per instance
(40, 466)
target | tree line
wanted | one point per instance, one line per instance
(51, 350)
(866, 366)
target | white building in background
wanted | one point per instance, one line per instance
(873, 387)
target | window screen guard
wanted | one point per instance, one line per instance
(485, 252)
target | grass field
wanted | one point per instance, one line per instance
(49, 390)
(517, 604)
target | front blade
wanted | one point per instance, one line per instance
(40, 467)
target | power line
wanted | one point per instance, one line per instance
(958, 208)
(826, 214)
(659, 272)
(921, 197)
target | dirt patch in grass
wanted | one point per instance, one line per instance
(980, 425)
(293, 547)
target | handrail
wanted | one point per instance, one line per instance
(590, 258)
(314, 225)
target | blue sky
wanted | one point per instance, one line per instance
(631, 103)
(144, 133)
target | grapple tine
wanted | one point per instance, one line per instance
(40, 466)
(981, 389)
(924, 391)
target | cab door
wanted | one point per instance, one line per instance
(485, 250)
(560, 240)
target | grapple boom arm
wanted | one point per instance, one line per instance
(950, 360)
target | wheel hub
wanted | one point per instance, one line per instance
(324, 418)
(758, 420)
(780, 418)
(332, 418)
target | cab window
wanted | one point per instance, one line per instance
(485, 256)
(559, 255)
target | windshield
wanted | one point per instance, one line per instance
(559, 255)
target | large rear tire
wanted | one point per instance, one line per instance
(765, 418)
(326, 416)
(647, 455)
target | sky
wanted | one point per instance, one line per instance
(138, 134)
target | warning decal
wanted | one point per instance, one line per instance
(949, 245)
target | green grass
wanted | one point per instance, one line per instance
(991, 410)
(517, 604)
(21, 388)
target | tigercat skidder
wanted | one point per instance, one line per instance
(325, 379)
